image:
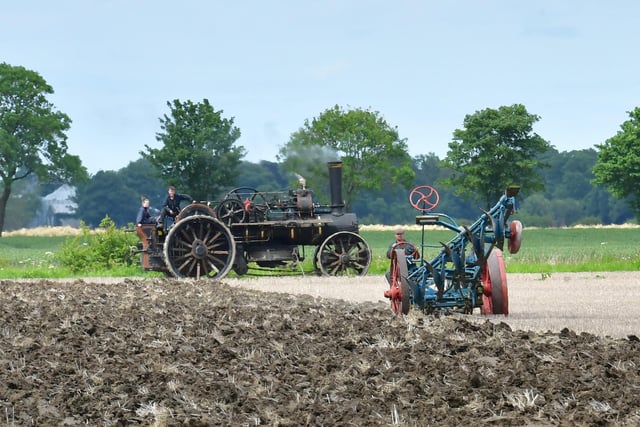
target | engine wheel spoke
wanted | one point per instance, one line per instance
(343, 253)
(199, 245)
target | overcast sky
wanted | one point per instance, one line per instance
(270, 65)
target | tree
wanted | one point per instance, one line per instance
(263, 176)
(103, 196)
(32, 134)
(428, 169)
(300, 159)
(372, 153)
(618, 164)
(24, 205)
(140, 177)
(198, 154)
(495, 149)
(117, 194)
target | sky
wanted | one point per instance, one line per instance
(271, 65)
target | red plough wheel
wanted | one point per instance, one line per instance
(399, 289)
(495, 298)
(515, 236)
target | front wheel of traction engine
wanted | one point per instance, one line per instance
(199, 246)
(343, 254)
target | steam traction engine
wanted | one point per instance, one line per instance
(268, 229)
(469, 270)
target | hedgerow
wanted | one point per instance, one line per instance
(104, 248)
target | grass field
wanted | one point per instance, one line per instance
(29, 252)
(543, 251)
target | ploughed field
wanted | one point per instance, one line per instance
(315, 351)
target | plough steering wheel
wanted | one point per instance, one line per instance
(424, 198)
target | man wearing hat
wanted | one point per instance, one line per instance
(409, 248)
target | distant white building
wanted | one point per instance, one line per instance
(58, 208)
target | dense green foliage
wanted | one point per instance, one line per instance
(618, 166)
(117, 194)
(32, 134)
(23, 203)
(569, 196)
(496, 148)
(106, 248)
(264, 176)
(373, 155)
(198, 153)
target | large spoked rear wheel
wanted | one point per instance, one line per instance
(199, 246)
(495, 299)
(399, 288)
(343, 254)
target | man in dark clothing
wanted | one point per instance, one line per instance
(410, 250)
(399, 243)
(171, 206)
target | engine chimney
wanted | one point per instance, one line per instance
(335, 186)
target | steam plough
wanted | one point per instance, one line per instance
(469, 271)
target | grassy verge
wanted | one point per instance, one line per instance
(30, 256)
(543, 251)
(577, 250)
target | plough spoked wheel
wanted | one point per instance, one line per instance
(399, 288)
(195, 209)
(199, 246)
(343, 254)
(495, 299)
(515, 236)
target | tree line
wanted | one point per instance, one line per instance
(570, 197)
(199, 154)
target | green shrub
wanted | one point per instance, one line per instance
(105, 248)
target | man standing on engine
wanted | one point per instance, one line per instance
(171, 207)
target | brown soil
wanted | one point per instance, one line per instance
(166, 352)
